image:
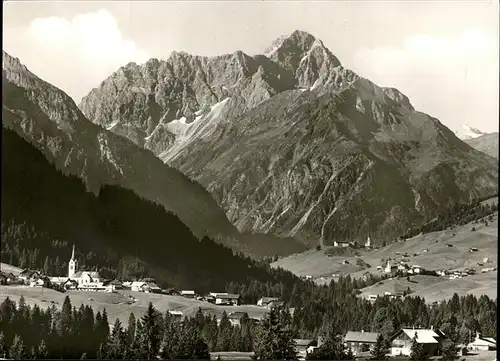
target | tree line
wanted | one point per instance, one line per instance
(70, 333)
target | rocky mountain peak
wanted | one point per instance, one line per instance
(304, 55)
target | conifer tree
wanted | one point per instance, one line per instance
(150, 332)
(380, 349)
(417, 351)
(274, 339)
(3, 347)
(42, 350)
(450, 352)
(17, 350)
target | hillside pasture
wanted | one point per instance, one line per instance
(121, 304)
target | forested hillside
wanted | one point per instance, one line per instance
(45, 212)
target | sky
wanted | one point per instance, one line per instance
(443, 55)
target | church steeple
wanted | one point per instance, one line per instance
(72, 266)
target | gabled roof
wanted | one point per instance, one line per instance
(187, 292)
(269, 299)
(365, 337)
(423, 336)
(227, 296)
(484, 341)
(303, 342)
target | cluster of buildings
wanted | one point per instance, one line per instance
(400, 342)
(343, 244)
(401, 267)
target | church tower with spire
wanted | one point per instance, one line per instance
(73, 264)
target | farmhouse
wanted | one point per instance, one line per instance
(340, 244)
(226, 299)
(265, 301)
(401, 341)
(360, 341)
(8, 278)
(176, 314)
(29, 275)
(137, 286)
(482, 343)
(42, 281)
(188, 293)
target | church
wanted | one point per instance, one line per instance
(84, 280)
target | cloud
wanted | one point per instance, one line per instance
(75, 54)
(452, 78)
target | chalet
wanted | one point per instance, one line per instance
(360, 341)
(265, 301)
(442, 273)
(188, 293)
(151, 287)
(8, 278)
(210, 299)
(486, 259)
(115, 284)
(42, 281)
(176, 314)
(417, 269)
(236, 317)
(341, 244)
(227, 299)
(403, 267)
(29, 275)
(301, 347)
(372, 298)
(137, 286)
(70, 284)
(482, 343)
(430, 339)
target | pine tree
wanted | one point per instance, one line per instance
(151, 335)
(274, 340)
(450, 352)
(42, 350)
(417, 351)
(17, 350)
(380, 349)
(3, 347)
(332, 347)
(116, 341)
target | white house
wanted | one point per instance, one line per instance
(340, 244)
(137, 286)
(226, 298)
(402, 341)
(188, 293)
(417, 269)
(482, 343)
(368, 242)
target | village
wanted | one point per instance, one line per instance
(360, 342)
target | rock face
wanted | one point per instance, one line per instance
(293, 144)
(487, 143)
(49, 119)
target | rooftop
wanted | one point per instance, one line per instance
(366, 337)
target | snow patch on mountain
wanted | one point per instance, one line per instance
(467, 132)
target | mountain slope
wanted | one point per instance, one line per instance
(487, 143)
(49, 119)
(292, 143)
(109, 229)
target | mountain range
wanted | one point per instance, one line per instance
(293, 144)
(50, 120)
